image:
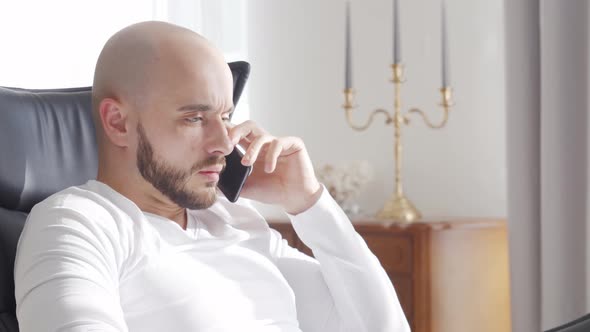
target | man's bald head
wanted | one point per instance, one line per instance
(161, 100)
(141, 58)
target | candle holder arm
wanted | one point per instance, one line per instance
(446, 103)
(427, 120)
(388, 119)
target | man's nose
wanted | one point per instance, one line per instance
(219, 142)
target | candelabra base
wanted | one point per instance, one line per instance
(399, 209)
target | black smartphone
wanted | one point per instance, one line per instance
(233, 177)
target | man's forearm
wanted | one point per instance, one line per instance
(363, 294)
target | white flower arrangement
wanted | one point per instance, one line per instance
(345, 182)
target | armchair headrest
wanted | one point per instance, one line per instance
(48, 143)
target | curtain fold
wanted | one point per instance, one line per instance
(547, 71)
(564, 167)
(523, 156)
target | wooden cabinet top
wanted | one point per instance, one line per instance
(438, 223)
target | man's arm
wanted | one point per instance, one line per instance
(345, 288)
(66, 275)
(347, 274)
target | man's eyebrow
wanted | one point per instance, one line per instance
(195, 107)
(200, 108)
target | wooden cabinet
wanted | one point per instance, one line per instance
(450, 275)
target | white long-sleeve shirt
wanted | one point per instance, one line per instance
(90, 260)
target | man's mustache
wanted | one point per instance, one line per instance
(211, 161)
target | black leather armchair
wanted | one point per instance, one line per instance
(581, 324)
(47, 143)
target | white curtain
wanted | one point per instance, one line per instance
(223, 22)
(49, 44)
(547, 74)
(55, 44)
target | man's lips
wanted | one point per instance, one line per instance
(212, 169)
(211, 173)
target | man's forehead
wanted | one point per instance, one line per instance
(197, 107)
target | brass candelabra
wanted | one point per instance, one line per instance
(398, 208)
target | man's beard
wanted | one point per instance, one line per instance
(172, 181)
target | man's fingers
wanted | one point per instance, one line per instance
(256, 141)
(248, 130)
(281, 147)
(254, 149)
(272, 155)
(291, 145)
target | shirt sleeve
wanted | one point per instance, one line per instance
(66, 276)
(345, 287)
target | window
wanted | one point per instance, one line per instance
(54, 44)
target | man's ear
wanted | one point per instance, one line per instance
(114, 119)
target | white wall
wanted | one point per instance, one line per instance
(296, 51)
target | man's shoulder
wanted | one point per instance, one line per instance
(81, 204)
(72, 198)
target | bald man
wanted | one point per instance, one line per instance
(151, 246)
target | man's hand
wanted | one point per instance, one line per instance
(283, 173)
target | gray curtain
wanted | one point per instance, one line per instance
(547, 72)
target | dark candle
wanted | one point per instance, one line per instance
(397, 51)
(444, 46)
(347, 51)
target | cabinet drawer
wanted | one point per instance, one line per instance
(403, 289)
(287, 232)
(394, 252)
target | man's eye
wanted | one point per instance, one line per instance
(195, 119)
(226, 119)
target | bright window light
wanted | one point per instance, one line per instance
(55, 44)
